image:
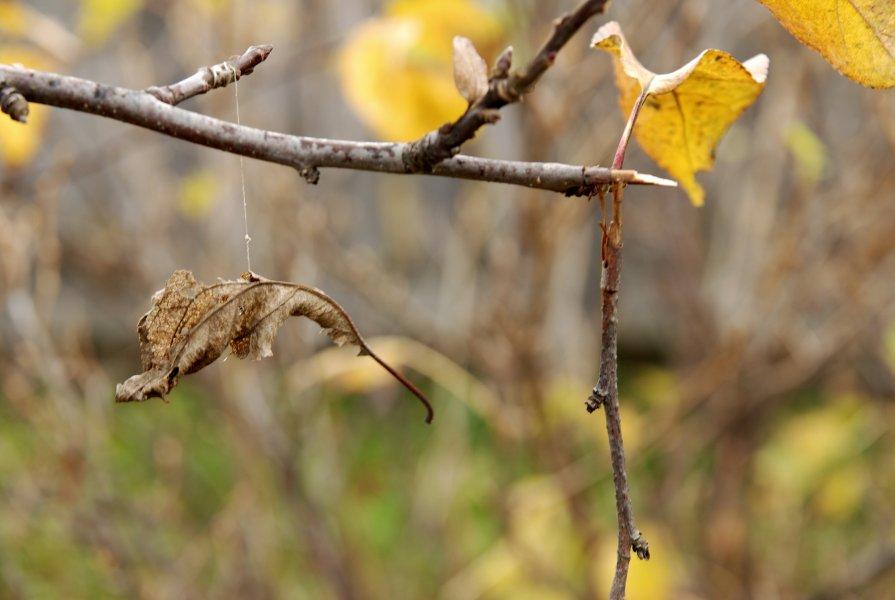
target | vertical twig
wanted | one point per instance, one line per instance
(605, 393)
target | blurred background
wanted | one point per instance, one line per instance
(757, 345)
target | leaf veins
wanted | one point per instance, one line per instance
(190, 325)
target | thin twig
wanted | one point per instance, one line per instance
(209, 78)
(605, 393)
(505, 87)
(306, 154)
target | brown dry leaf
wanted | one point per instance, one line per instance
(191, 324)
(470, 70)
(688, 110)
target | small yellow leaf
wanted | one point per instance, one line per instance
(689, 109)
(19, 142)
(99, 18)
(857, 37)
(396, 70)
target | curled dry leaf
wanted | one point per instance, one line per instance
(857, 37)
(470, 70)
(190, 325)
(688, 110)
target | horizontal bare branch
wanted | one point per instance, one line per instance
(209, 78)
(306, 154)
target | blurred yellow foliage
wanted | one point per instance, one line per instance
(211, 7)
(540, 540)
(99, 18)
(855, 36)
(842, 492)
(334, 367)
(808, 150)
(12, 18)
(19, 142)
(198, 191)
(688, 110)
(540, 524)
(564, 407)
(396, 70)
(653, 580)
(816, 455)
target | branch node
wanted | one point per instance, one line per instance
(311, 174)
(13, 103)
(640, 546)
(503, 64)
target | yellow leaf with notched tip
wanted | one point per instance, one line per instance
(397, 71)
(857, 37)
(688, 110)
(19, 142)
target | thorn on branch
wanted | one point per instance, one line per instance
(13, 103)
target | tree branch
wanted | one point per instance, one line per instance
(605, 393)
(306, 154)
(504, 88)
(215, 76)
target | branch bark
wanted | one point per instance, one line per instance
(504, 88)
(605, 393)
(306, 154)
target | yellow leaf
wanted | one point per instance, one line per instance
(688, 110)
(397, 71)
(19, 142)
(857, 37)
(100, 18)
